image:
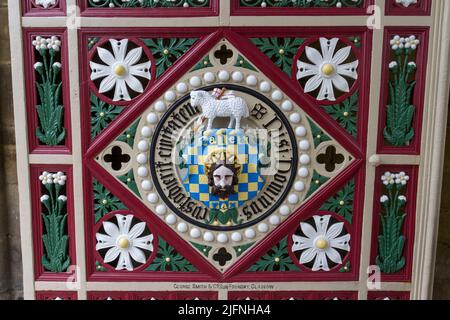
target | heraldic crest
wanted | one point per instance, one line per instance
(222, 164)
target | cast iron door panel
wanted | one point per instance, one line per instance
(190, 148)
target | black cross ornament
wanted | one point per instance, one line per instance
(330, 158)
(116, 158)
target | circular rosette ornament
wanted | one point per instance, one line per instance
(120, 69)
(320, 243)
(124, 242)
(327, 69)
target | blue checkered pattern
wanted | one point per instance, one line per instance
(246, 151)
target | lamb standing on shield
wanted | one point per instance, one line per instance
(228, 106)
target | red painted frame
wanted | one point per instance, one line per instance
(423, 8)
(418, 93)
(31, 92)
(238, 10)
(409, 224)
(158, 295)
(183, 65)
(35, 185)
(212, 10)
(392, 295)
(52, 295)
(296, 295)
(29, 9)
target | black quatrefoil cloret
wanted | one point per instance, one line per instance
(222, 257)
(330, 158)
(117, 158)
(224, 54)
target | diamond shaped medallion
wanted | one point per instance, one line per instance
(225, 155)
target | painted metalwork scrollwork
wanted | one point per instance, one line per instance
(302, 3)
(147, 3)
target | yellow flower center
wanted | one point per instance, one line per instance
(166, 51)
(281, 51)
(168, 259)
(321, 243)
(328, 69)
(123, 242)
(120, 70)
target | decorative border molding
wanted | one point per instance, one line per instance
(238, 10)
(86, 11)
(431, 160)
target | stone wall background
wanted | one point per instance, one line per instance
(10, 256)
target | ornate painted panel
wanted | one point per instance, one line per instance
(203, 150)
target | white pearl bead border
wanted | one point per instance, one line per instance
(297, 120)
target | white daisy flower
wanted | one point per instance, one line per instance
(46, 178)
(59, 178)
(388, 178)
(123, 243)
(384, 199)
(327, 70)
(397, 42)
(45, 197)
(406, 3)
(62, 198)
(412, 42)
(320, 243)
(120, 70)
(53, 43)
(45, 3)
(401, 178)
(402, 198)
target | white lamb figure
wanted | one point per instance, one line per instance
(228, 106)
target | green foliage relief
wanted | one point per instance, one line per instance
(168, 259)
(102, 114)
(147, 3)
(301, 3)
(342, 202)
(55, 238)
(104, 201)
(391, 241)
(280, 50)
(400, 112)
(277, 259)
(346, 114)
(167, 51)
(50, 130)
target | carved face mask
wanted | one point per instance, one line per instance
(223, 177)
(223, 182)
